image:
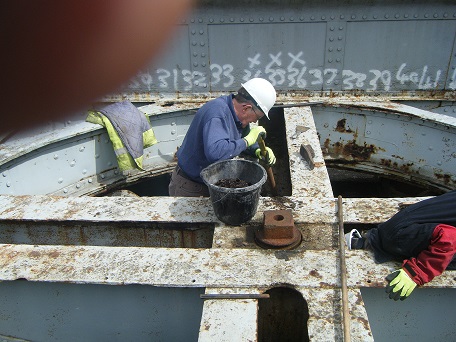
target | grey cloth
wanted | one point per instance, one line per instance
(129, 123)
(181, 186)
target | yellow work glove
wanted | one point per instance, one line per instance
(270, 158)
(400, 285)
(252, 137)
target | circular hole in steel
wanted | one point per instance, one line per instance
(279, 217)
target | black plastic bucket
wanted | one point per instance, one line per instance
(234, 205)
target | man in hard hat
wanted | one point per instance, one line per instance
(221, 130)
(422, 236)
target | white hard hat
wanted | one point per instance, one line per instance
(262, 93)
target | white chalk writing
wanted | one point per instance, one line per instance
(291, 71)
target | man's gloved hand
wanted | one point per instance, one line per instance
(270, 158)
(400, 285)
(252, 137)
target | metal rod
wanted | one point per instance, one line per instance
(234, 296)
(343, 274)
(301, 104)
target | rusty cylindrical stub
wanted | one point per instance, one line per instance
(278, 230)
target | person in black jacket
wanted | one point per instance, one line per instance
(422, 236)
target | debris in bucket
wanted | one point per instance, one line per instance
(232, 183)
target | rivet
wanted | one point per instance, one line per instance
(405, 15)
(364, 16)
(330, 49)
(78, 186)
(4, 174)
(331, 28)
(331, 39)
(271, 19)
(173, 131)
(203, 54)
(426, 15)
(201, 32)
(200, 20)
(336, 82)
(90, 180)
(203, 64)
(84, 171)
(291, 19)
(445, 15)
(282, 18)
(56, 156)
(339, 49)
(342, 16)
(222, 20)
(387, 16)
(194, 43)
(102, 176)
(312, 18)
(353, 16)
(241, 20)
(337, 59)
(368, 132)
(97, 156)
(430, 148)
(251, 20)
(396, 15)
(202, 43)
(339, 38)
(73, 163)
(323, 18)
(193, 20)
(301, 18)
(415, 15)
(330, 60)
(195, 54)
(8, 184)
(436, 15)
(439, 163)
(116, 172)
(211, 20)
(231, 19)
(340, 28)
(375, 16)
(60, 180)
(261, 18)
(193, 31)
(65, 190)
(81, 149)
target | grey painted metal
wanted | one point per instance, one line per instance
(362, 47)
(417, 311)
(70, 312)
